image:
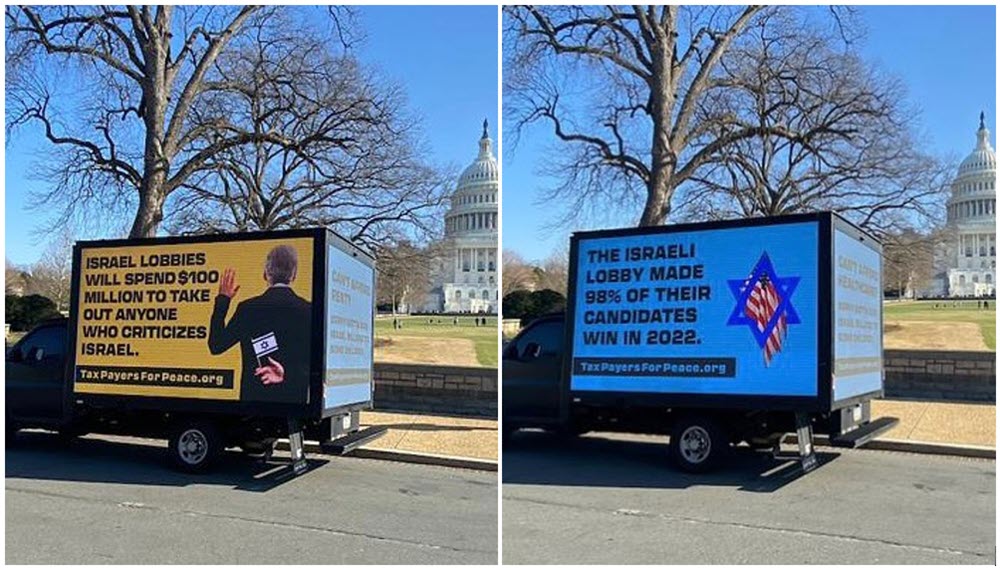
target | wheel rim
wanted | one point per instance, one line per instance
(192, 447)
(695, 444)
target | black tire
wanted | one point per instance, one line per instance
(194, 446)
(698, 444)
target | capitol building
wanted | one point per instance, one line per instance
(968, 265)
(465, 275)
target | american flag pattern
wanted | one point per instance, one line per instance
(762, 304)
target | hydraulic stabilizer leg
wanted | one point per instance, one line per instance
(296, 447)
(804, 431)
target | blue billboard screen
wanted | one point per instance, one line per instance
(726, 311)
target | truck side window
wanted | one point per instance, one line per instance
(548, 336)
(43, 344)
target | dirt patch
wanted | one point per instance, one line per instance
(931, 335)
(422, 350)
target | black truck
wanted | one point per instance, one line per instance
(209, 342)
(714, 334)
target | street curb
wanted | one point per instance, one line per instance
(427, 459)
(910, 446)
(454, 461)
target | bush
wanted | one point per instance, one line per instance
(517, 304)
(23, 313)
(548, 301)
(529, 306)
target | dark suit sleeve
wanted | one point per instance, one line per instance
(220, 335)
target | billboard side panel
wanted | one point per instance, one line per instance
(857, 326)
(218, 320)
(350, 314)
(730, 311)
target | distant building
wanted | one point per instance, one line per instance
(968, 259)
(465, 276)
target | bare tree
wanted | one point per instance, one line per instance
(553, 272)
(15, 279)
(51, 275)
(137, 135)
(347, 159)
(908, 260)
(635, 135)
(635, 92)
(834, 135)
(516, 272)
(404, 274)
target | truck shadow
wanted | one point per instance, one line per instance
(42, 455)
(535, 458)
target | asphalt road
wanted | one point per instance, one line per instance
(108, 502)
(613, 499)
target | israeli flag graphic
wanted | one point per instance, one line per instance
(264, 345)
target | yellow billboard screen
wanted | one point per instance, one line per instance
(228, 320)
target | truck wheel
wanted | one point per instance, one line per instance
(194, 446)
(698, 444)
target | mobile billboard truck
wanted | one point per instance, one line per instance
(210, 342)
(716, 334)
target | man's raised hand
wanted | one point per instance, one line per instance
(227, 285)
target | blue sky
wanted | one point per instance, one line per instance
(945, 56)
(445, 57)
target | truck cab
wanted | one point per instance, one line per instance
(35, 370)
(532, 374)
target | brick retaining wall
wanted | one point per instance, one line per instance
(963, 376)
(453, 390)
(950, 375)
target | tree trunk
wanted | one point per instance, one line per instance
(660, 186)
(658, 193)
(156, 165)
(150, 214)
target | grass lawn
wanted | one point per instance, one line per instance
(440, 329)
(945, 312)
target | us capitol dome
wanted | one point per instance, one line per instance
(970, 263)
(465, 279)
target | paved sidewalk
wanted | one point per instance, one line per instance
(939, 422)
(934, 422)
(461, 437)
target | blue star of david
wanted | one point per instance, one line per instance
(742, 288)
